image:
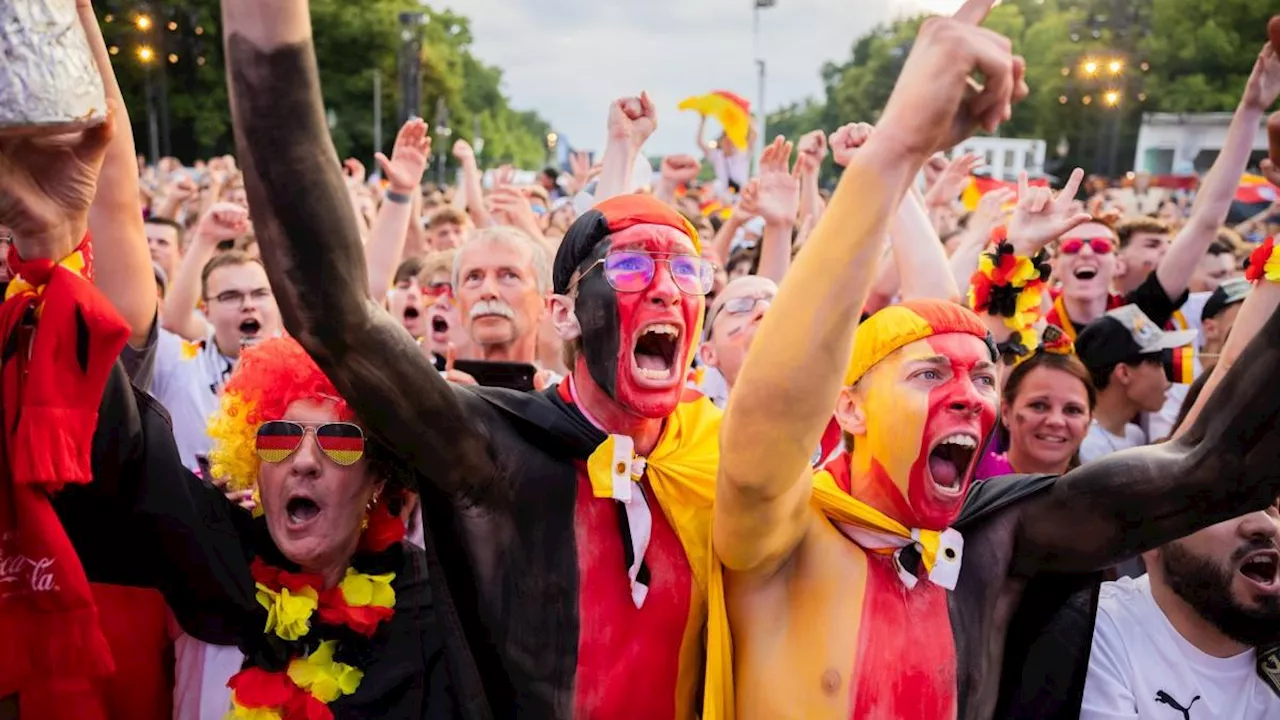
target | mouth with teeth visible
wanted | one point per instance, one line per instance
(249, 329)
(301, 510)
(654, 354)
(1261, 568)
(951, 461)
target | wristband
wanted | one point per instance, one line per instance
(398, 197)
(1263, 263)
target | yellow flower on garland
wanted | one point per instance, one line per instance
(325, 679)
(1028, 309)
(1272, 268)
(360, 590)
(288, 614)
(240, 712)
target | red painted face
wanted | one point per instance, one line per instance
(637, 342)
(929, 408)
(653, 363)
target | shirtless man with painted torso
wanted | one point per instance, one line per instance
(825, 622)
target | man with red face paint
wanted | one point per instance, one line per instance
(582, 513)
(836, 581)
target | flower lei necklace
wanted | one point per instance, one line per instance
(316, 640)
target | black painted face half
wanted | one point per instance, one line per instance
(597, 309)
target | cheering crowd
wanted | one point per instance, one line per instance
(285, 439)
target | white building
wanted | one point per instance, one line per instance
(1005, 158)
(1183, 143)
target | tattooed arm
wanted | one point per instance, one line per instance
(311, 247)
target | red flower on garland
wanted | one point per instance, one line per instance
(1258, 260)
(256, 688)
(276, 578)
(364, 619)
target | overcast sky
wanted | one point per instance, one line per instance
(568, 59)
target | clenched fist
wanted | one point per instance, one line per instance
(632, 119)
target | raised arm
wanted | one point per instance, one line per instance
(115, 217)
(1213, 200)
(391, 227)
(1221, 464)
(775, 195)
(631, 122)
(311, 247)
(775, 418)
(923, 270)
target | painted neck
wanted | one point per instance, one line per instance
(612, 417)
(1114, 410)
(521, 350)
(870, 484)
(1190, 625)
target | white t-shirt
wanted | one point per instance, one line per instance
(734, 168)
(1100, 443)
(1160, 425)
(1141, 667)
(188, 378)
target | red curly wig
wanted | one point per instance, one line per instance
(269, 378)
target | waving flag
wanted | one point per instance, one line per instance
(732, 111)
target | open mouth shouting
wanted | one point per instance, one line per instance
(410, 314)
(1260, 568)
(1085, 273)
(250, 331)
(951, 461)
(301, 510)
(439, 329)
(654, 356)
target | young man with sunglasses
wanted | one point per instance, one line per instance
(581, 514)
(1087, 264)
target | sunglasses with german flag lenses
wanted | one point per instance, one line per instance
(1100, 245)
(341, 442)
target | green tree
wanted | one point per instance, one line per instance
(351, 48)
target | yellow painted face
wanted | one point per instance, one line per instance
(928, 408)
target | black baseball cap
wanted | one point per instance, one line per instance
(1125, 335)
(1227, 294)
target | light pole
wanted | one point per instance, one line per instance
(757, 6)
(443, 133)
(146, 56)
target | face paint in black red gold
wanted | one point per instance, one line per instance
(627, 344)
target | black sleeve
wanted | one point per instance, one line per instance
(146, 521)
(1151, 298)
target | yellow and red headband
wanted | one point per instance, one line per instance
(900, 325)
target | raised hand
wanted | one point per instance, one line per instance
(749, 202)
(464, 152)
(47, 183)
(1042, 217)
(510, 206)
(680, 169)
(990, 212)
(779, 188)
(936, 103)
(846, 141)
(952, 181)
(224, 221)
(408, 158)
(632, 120)
(353, 170)
(811, 151)
(1264, 82)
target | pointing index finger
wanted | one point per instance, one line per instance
(1068, 194)
(974, 12)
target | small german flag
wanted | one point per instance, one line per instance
(342, 442)
(277, 440)
(1179, 365)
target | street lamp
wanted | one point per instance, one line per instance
(146, 54)
(1111, 98)
(143, 22)
(1115, 66)
(1090, 68)
(552, 140)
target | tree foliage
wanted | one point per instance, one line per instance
(353, 43)
(1198, 54)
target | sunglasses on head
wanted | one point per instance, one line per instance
(1100, 245)
(341, 442)
(633, 271)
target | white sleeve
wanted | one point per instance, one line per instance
(1108, 693)
(168, 361)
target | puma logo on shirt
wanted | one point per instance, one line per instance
(1167, 699)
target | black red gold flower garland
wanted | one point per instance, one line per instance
(1263, 263)
(316, 640)
(1011, 286)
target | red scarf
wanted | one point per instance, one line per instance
(59, 338)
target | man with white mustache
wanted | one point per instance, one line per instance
(501, 277)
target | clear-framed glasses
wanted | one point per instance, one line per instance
(739, 306)
(629, 271)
